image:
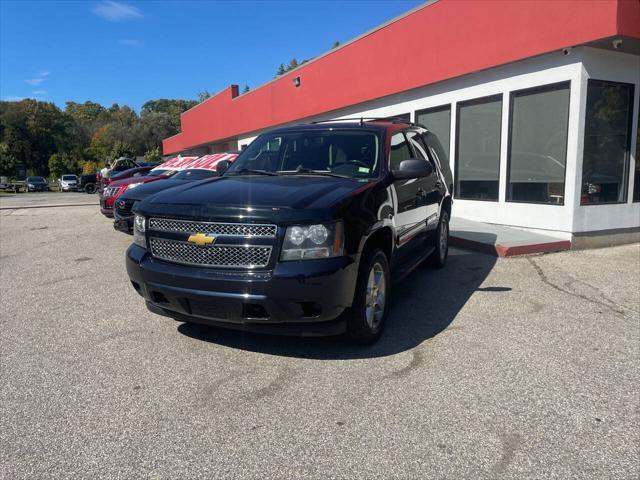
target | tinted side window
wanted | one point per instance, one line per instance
(399, 150)
(419, 147)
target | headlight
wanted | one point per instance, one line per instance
(133, 185)
(30, 185)
(139, 227)
(306, 242)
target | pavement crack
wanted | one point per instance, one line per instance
(615, 308)
(274, 386)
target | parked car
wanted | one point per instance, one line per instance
(7, 186)
(204, 167)
(37, 184)
(68, 182)
(302, 234)
(116, 188)
(88, 183)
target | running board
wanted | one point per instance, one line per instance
(403, 271)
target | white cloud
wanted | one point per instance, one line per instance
(130, 42)
(35, 81)
(12, 99)
(39, 92)
(44, 74)
(116, 11)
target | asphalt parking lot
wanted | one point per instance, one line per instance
(524, 367)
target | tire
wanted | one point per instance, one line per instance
(439, 256)
(366, 318)
(90, 188)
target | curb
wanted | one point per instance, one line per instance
(503, 251)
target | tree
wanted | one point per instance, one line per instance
(336, 44)
(153, 156)
(281, 70)
(203, 95)
(8, 162)
(293, 63)
(61, 163)
(121, 149)
(246, 88)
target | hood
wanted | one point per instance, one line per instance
(282, 198)
(130, 180)
(150, 188)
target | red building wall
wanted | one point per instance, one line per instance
(443, 40)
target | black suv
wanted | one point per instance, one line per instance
(303, 234)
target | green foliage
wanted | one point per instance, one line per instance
(89, 167)
(203, 95)
(246, 88)
(281, 70)
(336, 44)
(121, 149)
(154, 155)
(90, 135)
(293, 63)
(61, 163)
(8, 162)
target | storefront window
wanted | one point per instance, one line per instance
(538, 144)
(438, 121)
(478, 149)
(607, 140)
(636, 183)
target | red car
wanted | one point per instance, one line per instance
(118, 187)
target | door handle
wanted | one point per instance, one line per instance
(438, 184)
(421, 193)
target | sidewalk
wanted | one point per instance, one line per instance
(500, 240)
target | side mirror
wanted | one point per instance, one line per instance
(413, 168)
(222, 166)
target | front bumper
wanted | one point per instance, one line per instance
(295, 298)
(106, 207)
(123, 224)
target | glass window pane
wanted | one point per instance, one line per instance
(438, 121)
(607, 138)
(478, 149)
(538, 144)
(636, 184)
(399, 150)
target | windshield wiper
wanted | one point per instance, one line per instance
(249, 171)
(307, 171)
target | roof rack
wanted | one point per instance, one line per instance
(361, 120)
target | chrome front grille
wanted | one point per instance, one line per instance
(234, 256)
(213, 228)
(110, 191)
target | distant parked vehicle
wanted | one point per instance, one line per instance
(68, 182)
(200, 169)
(7, 186)
(120, 185)
(37, 184)
(88, 183)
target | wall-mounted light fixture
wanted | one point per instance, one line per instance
(296, 81)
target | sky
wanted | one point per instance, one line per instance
(129, 52)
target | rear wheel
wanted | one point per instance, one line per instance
(439, 256)
(366, 318)
(90, 188)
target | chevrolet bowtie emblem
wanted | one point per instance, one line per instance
(200, 239)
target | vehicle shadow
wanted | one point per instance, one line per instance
(423, 305)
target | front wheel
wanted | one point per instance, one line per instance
(366, 318)
(439, 256)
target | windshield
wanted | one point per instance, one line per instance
(161, 172)
(195, 174)
(68, 177)
(35, 179)
(348, 153)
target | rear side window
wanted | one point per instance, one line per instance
(418, 147)
(399, 150)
